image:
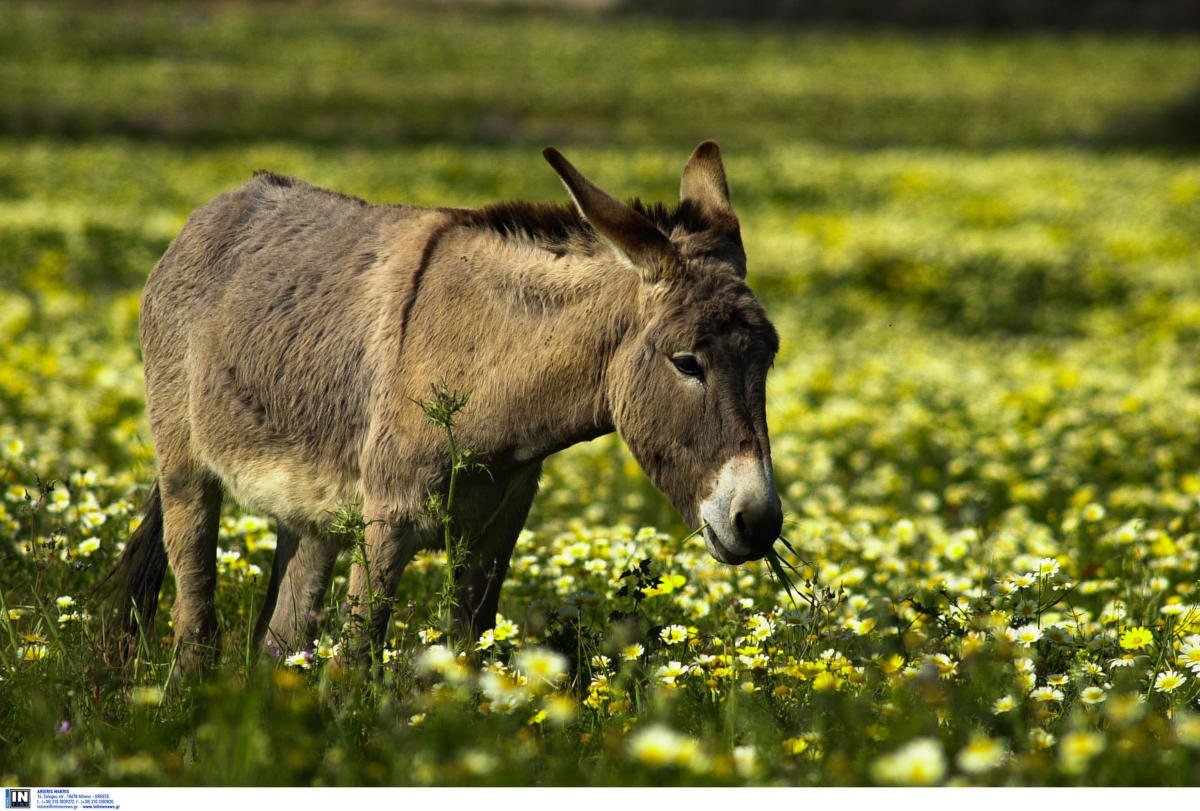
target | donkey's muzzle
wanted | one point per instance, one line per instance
(756, 519)
(743, 512)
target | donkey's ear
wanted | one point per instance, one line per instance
(704, 186)
(636, 241)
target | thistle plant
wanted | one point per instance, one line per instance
(441, 410)
(348, 522)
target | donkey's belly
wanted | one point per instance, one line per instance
(298, 493)
(284, 450)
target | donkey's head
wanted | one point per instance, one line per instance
(687, 385)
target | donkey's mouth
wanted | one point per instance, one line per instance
(721, 553)
(742, 514)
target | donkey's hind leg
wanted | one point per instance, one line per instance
(191, 508)
(300, 576)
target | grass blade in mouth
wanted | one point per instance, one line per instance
(780, 566)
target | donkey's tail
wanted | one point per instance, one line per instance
(129, 593)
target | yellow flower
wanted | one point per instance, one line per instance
(1041, 739)
(559, 708)
(477, 762)
(1189, 656)
(1136, 638)
(1168, 680)
(918, 763)
(826, 681)
(1077, 749)
(1004, 704)
(1125, 709)
(794, 746)
(981, 754)
(1047, 567)
(862, 628)
(745, 760)
(667, 583)
(669, 673)
(659, 745)
(504, 628)
(674, 634)
(301, 659)
(542, 666)
(1127, 533)
(1187, 729)
(1046, 694)
(943, 664)
(759, 627)
(1028, 634)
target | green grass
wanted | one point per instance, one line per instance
(985, 415)
(373, 73)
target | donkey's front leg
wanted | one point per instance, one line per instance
(374, 576)
(492, 534)
(477, 588)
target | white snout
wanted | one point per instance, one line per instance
(742, 511)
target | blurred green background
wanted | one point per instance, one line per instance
(380, 73)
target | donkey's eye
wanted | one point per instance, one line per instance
(688, 365)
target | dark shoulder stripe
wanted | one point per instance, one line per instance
(419, 271)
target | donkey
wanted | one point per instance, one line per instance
(289, 332)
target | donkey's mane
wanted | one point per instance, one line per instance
(559, 227)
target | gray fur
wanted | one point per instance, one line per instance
(288, 330)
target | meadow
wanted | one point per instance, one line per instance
(981, 252)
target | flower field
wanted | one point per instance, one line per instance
(985, 413)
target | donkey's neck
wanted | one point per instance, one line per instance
(533, 336)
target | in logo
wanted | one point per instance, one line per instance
(16, 797)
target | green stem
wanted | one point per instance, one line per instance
(454, 466)
(370, 602)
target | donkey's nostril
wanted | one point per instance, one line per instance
(756, 522)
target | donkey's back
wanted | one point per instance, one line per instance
(269, 234)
